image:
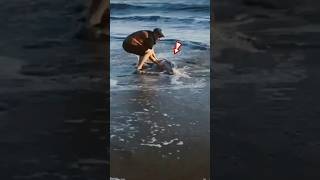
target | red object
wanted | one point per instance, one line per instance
(177, 47)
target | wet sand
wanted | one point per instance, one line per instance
(160, 130)
(52, 94)
(265, 90)
(159, 135)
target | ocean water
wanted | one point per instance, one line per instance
(186, 21)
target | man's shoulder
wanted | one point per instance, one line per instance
(148, 31)
(140, 32)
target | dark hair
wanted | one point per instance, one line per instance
(158, 31)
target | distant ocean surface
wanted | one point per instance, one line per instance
(184, 20)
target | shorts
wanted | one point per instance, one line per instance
(138, 50)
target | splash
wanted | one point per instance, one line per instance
(112, 178)
(179, 74)
(182, 72)
(113, 83)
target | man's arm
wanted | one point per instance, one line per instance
(154, 54)
(153, 58)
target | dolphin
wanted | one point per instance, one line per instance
(165, 66)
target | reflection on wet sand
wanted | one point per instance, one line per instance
(52, 95)
(151, 136)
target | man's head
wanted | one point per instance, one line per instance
(158, 33)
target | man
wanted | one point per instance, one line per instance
(98, 13)
(141, 43)
(96, 25)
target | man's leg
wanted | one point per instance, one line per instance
(144, 59)
(139, 60)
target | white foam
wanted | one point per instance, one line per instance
(169, 142)
(177, 82)
(112, 136)
(181, 72)
(152, 145)
(197, 85)
(202, 71)
(153, 139)
(113, 83)
(180, 143)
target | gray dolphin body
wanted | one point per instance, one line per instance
(165, 66)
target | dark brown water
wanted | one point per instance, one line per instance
(266, 109)
(52, 94)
